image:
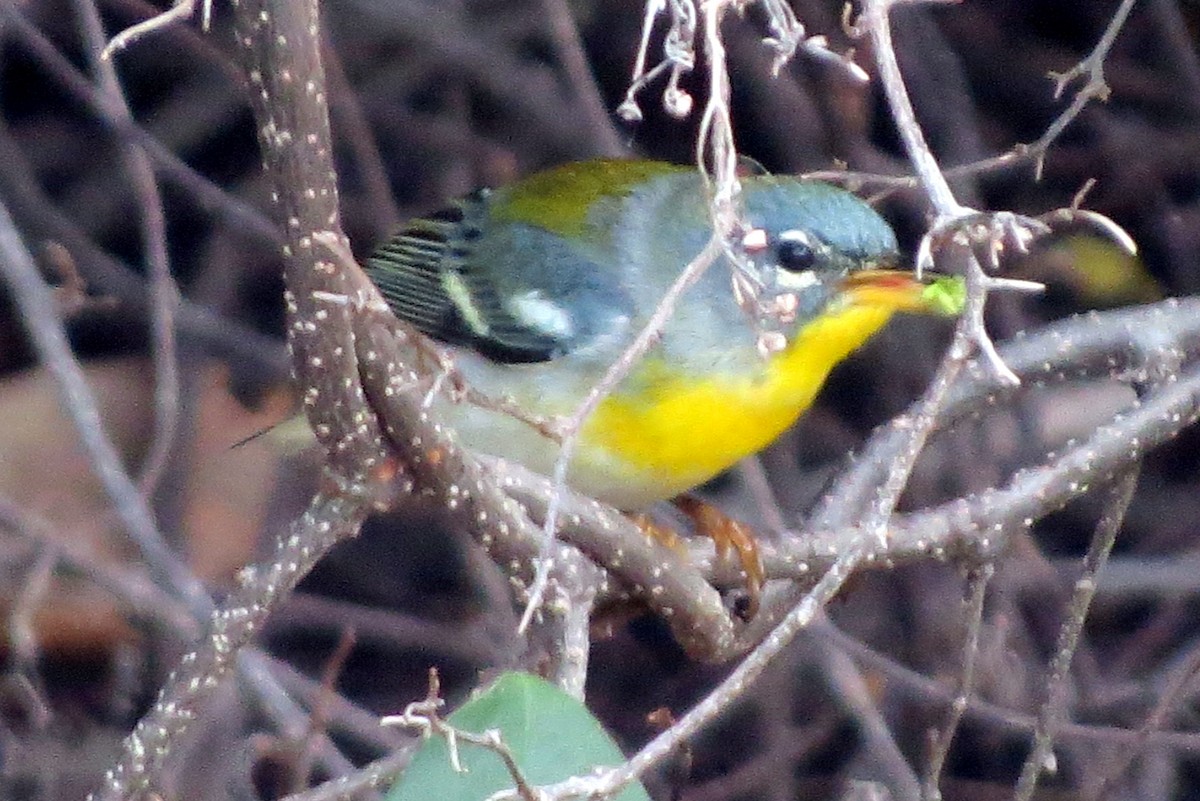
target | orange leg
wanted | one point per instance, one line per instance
(725, 532)
(663, 535)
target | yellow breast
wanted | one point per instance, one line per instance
(678, 431)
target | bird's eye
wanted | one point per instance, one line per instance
(796, 251)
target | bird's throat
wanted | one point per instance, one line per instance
(684, 429)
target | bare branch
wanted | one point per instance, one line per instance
(570, 48)
(378, 774)
(1003, 719)
(282, 54)
(201, 671)
(978, 526)
(181, 11)
(664, 579)
(41, 318)
(164, 294)
(977, 584)
(874, 23)
(1170, 700)
(1041, 757)
(1095, 87)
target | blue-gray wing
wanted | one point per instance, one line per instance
(515, 293)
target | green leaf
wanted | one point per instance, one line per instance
(946, 294)
(551, 735)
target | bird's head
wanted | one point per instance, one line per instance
(813, 248)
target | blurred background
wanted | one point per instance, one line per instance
(432, 99)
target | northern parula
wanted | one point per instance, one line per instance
(539, 286)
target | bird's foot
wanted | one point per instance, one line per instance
(724, 531)
(727, 533)
(662, 534)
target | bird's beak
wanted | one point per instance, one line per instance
(902, 291)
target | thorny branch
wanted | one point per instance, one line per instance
(1094, 88)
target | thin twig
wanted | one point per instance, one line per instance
(173, 169)
(39, 314)
(852, 691)
(423, 716)
(1005, 720)
(181, 11)
(164, 295)
(22, 636)
(754, 476)
(355, 130)
(352, 722)
(875, 24)
(977, 584)
(42, 219)
(1095, 87)
(147, 602)
(612, 781)
(200, 672)
(319, 718)
(373, 777)
(1171, 700)
(979, 526)
(570, 50)
(141, 597)
(665, 579)
(1119, 342)
(1041, 758)
(714, 147)
(573, 426)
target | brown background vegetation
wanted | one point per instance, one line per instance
(452, 95)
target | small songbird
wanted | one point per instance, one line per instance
(538, 287)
